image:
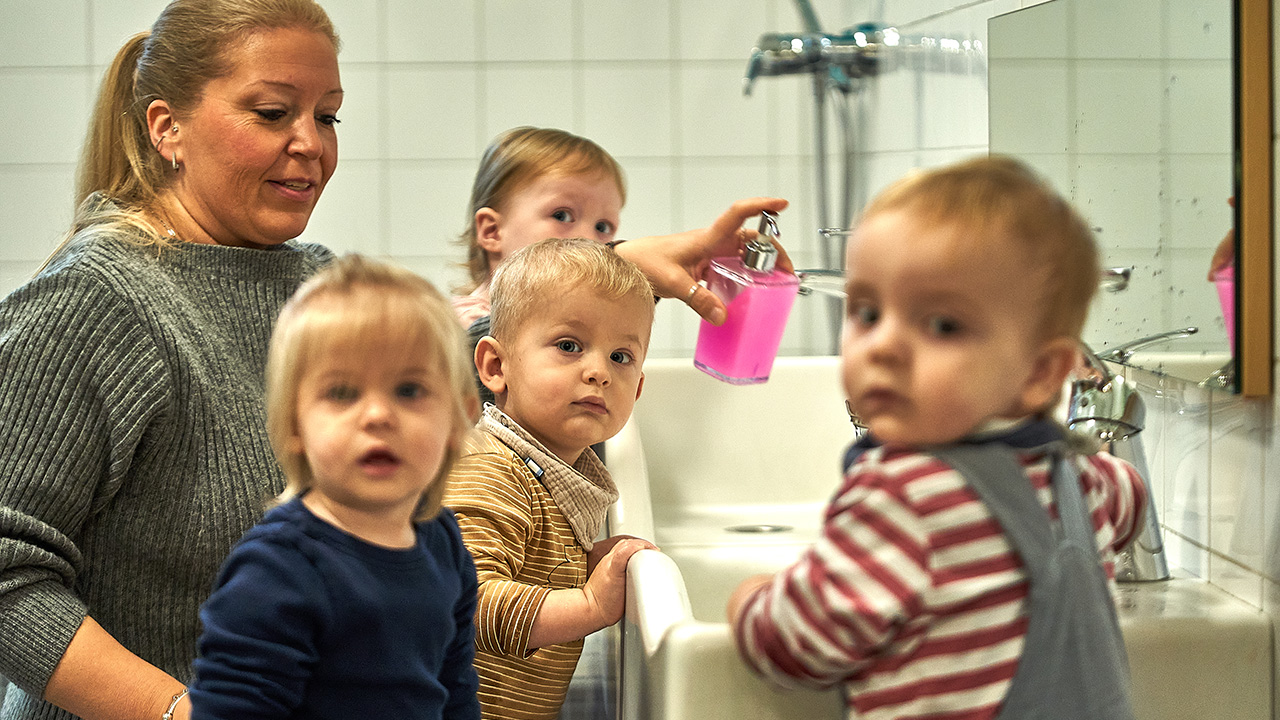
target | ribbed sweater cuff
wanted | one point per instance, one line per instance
(37, 636)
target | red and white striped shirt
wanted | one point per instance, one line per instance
(913, 598)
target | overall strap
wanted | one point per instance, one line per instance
(1077, 523)
(1073, 664)
(993, 472)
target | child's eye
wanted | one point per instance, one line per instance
(410, 390)
(569, 346)
(605, 227)
(341, 393)
(563, 215)
(864, 313)
(622, 357)
(943, 326)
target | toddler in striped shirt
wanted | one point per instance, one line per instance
(569, 329)
(963, 567)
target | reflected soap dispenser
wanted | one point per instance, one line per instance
(758, 299)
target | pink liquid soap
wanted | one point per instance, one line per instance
(742, 350)
(1225, 280)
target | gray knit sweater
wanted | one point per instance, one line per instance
(133, 447)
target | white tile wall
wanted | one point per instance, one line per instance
(46, 109)
(630, 108)
(619, 30)
(431, 31)
(56, 33)
(35, 202)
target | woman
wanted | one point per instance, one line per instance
(131, 367)
(134, 451)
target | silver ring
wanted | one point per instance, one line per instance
(692, 291)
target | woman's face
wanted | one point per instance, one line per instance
(259, 147)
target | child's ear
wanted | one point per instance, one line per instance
(1052, 365)
(640, 386)
(489, 230)
(490, 356)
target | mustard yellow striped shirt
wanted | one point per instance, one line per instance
(523, 549)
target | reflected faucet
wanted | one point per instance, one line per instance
(1108, 407)
(1123, 353)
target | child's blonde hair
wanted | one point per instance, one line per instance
(352, 299)
(1001, 198)
(516, 158)
(524, 281)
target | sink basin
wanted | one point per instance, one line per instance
(1195, 651)
(730, 481)
(1194, 366)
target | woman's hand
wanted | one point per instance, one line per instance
(676, 263)
(1225, 253)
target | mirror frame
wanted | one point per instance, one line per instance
(1254, 192)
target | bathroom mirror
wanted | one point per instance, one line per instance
(1152, 116)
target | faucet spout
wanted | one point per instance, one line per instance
(1109, 408)
(822, 281)
(1123, 353)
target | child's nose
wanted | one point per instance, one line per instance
(886, 340)
(596, 370)
(377, 411)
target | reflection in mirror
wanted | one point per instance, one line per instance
(1135, 127)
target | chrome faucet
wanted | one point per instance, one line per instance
(849, 54)
(1108, 407)
(823, 282)
(1123, 353)
(840, 66)
(864, 50)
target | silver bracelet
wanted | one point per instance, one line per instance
(168, 714)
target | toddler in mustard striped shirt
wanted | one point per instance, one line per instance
(570, 323)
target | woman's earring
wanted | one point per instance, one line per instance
(173, 159)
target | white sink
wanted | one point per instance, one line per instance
(700, 457)
(1194, 366)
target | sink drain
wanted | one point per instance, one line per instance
(759, 528)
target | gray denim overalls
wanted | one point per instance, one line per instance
(1073, 665)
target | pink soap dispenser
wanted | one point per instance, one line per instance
(758, 299)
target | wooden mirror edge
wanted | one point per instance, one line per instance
(1255, 329)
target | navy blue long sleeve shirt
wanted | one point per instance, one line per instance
(306, 621)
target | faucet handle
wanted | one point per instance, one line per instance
(753, 70)
(1115, 279)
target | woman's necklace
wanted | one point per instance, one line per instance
(168, 229)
